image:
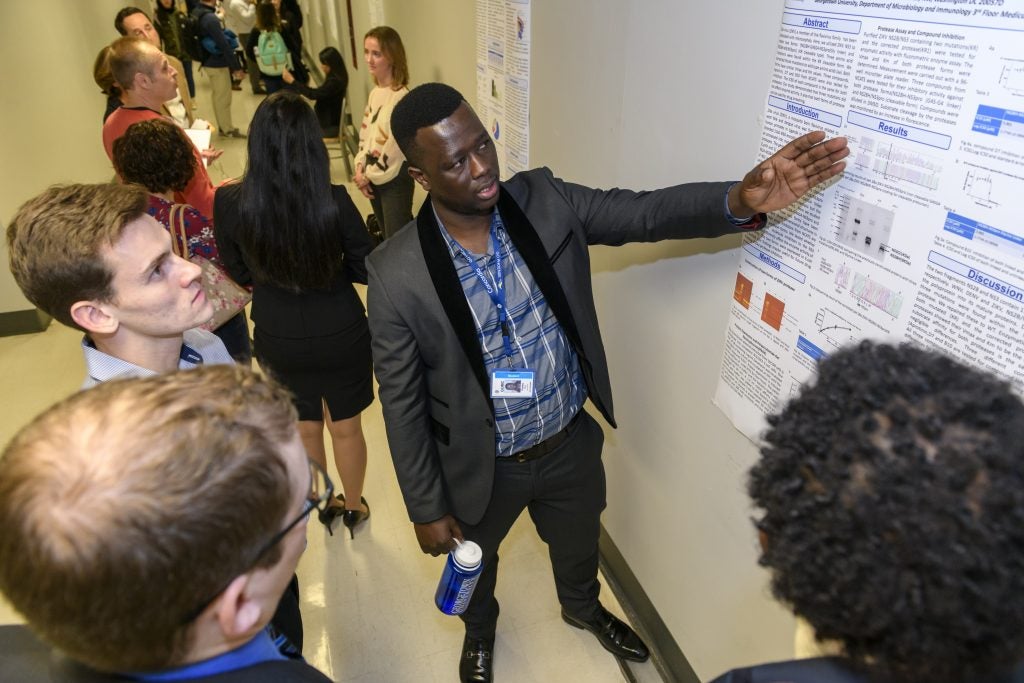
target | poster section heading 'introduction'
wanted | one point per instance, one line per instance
(919, 239)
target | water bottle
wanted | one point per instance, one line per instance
(461, 572)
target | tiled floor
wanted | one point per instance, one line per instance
(367, 603)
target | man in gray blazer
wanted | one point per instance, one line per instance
(486, 344)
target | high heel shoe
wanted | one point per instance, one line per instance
(331, 513)
(353, 518)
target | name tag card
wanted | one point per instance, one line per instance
(512, 384)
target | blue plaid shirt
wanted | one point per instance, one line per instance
(538, 343)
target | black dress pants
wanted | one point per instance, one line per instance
(565, 493)
(287, 618)
(392, 202)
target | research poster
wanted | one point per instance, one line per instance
(503, 79)
(921, 238)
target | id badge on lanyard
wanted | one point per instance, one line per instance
(513, 382)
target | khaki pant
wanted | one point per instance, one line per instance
(220, 83)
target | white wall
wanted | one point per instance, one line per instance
(436, 40)
(51, 111)
(641, 95)
(646, 94)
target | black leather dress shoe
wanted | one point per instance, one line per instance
(614, 635)
(477, 663)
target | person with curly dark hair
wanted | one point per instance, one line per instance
(891, 499)
(159, 156)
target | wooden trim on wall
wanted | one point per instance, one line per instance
(23, 322)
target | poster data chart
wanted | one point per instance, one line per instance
(919, 240)
(503, 79)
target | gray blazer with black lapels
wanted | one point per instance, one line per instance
(426, 354)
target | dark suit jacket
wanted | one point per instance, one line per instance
(823, 670)
(433, 386)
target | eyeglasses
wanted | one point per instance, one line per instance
(321, 491)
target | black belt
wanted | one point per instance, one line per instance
(547, 445)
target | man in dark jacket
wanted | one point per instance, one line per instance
(483, 377)
(219, 66)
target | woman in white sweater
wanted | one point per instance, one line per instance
(381, 169)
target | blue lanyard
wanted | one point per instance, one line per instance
(497, 293)
(190, 355)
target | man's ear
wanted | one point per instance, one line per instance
(420, 177)
(94, 317)
(141, 81)
(238, 614)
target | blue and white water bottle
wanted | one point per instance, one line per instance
(461, 572)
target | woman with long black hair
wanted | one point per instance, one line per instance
(301, 242)
(330, 96)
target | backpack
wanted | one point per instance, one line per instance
(272, 54)
(210, 45)
(191, 36)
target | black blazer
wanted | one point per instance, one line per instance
(282, 313)
(328, 101)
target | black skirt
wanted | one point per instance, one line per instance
(335, 369)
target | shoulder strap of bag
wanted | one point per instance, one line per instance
(177, 216)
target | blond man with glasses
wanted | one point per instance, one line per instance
(149, 527)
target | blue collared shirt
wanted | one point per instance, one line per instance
(538, 342)
(260, 649)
